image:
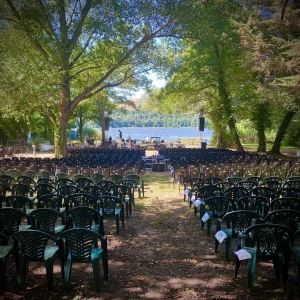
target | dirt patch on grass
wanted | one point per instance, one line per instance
(161, 254)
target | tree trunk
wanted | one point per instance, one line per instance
(281, 132)
(80, 128)
(225, 99)
(261, 126)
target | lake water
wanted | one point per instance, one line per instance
(165, 133)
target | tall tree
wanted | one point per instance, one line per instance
(104, 43)
(208, 74)
(271, 36)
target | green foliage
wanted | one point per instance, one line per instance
(134, 118)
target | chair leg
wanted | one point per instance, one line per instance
(237, 266)
(68, 270)
(105, 258)
(96, 274)
(2, 272)
(118, 224)
(49, 273)
(216, 245)
(277, 268)
(251, 270)
(208, 227)
(228, 247)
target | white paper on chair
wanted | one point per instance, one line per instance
(205, 217)
(197, 203)
(186, 192)
(193, 198)
(243, 254)
(221, 236)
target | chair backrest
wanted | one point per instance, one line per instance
(236, 192)
(23, 179)
(234, 180)
(14, 173)
(285, 203)
(83, 216)
(81, 199)
(4, 188)
(30, 173)
(94, 190)
(135, 177)
(80, 243)
(218, 205)
(286, 217)
(18, 201)
(273, 184)
(268, 239)
(10, 219)
(240, 220)
(207, 191)
(44, 189)
(212, 180)
(67, 190)
(45, 219)
(83, 182)
(116, 178)
(106, 185)
(257, 204)
(255, 179)
(43, 180)
(33, 243)
(44, 174)
(6, 179)
(108, 204)
(189, 183)
(288, 192)
(264, 191)
(77, 176)
(272, 178)
(22, 189)
(121, 191)
(249, 185)
(65, 181)
(53, 201)
(292, 184)
(97, 177)
(129, 182)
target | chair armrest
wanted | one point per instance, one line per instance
(218, 224)
(241, 241)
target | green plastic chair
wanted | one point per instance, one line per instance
(116, 178)
(80, 249)
(77, 176)
(237, 223)
(295, 249)
(45, 174)
(111, 207)
(266, 242)
(11, 221)
(286, 217)
(6, 179)
(97, 177)
(30, 173)
(56, 202)
(83, 217)
(124, 193)
(35, 247)
(14, 173)
(5, 251)
(4, 188)
(216, 207)
(139, 184)
(24, 190)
